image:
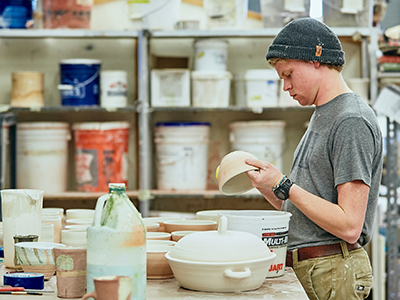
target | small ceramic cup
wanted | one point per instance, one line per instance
(111, 288)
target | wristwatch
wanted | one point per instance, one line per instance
(281, 190)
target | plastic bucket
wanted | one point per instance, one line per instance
(15, 13)
(154, 14)
(80, 82)
(67, 13)
(263, 139)
(269, 225)
(210, 55)
(226, 13)
(101, 154)
(114, 88)
(211, 88)
(42, 156)
(279, 13)
(261, 88)
(182, 155)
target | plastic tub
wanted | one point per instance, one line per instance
(210, 55)
(211, 88)
(67, 14)
(15, 13)
(228, 14)
(261, 88)
(42, 155)
(114, 88)
(80, 82)
(263, 139)
(182, 155)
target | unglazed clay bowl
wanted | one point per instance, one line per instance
(160, 220)
(231, 173)
(193, 225)
(158, 236)
(79, 213)
(152, 227)
(37, 257)
(177, 235)
(157, 264)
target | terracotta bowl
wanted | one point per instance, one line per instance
(195, 225)
(231, 173)
(160, 220)
(158, 236)
(152, 227)
(157, 264)
(37, 257)
(177, 235)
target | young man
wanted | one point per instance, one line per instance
(332, 189)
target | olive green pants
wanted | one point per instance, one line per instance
(343, 276)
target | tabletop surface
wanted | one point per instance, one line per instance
(286, 287)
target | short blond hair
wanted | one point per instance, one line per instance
(276, 60)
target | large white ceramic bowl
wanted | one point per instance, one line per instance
(220, 261)
(231, 173)
(36, 257)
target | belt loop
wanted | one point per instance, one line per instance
(345, 251)
(295, 257)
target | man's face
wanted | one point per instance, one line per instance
(301, 80)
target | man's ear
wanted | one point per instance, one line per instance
(316, 64)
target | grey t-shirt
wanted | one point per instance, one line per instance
(343, 143)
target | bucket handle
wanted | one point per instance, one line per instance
(99, 209)
(238, 275)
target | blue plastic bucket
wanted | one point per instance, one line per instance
(80, 82)
(15, 13)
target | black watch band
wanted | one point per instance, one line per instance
(281, 190)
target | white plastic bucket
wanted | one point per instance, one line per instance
(226, 13)
(170, 87)
(154, 14)
(269, 225)
(261, 88)
(182, 155)
(210, 55)
(211, 88)
(263, 139)
(114, 88)
(42, 156)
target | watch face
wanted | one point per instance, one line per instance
(279, 194)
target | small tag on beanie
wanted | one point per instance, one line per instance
(318, 50)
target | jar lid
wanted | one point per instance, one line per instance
(221, 245)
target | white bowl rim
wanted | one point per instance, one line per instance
(217, 263)
(39, 245)
(191, 222)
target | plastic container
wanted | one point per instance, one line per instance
(271, 226)
(342, 13)
(22, 214)
(228, 14)
(154, 14)
(15, 13)
(67, 13)
(261, 88)
(211, 88)
(182, 155)
(101, 154)
(170, 87)
(42, 155)
(114, 88)
(27, 89)
(116, 243)
(80, 82)
(210, 55)
(278, 13)
(263, 139)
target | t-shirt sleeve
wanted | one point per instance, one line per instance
(353, 151)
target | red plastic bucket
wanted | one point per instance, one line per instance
(101, 155)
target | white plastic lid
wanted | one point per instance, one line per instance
(112, 73)
(80, 61)
(261, 74)
(42, 125)
(211, 43)
(100, 125)
(211, 75)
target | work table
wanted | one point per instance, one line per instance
(286, 287)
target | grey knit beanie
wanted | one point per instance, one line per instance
(307, 39)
